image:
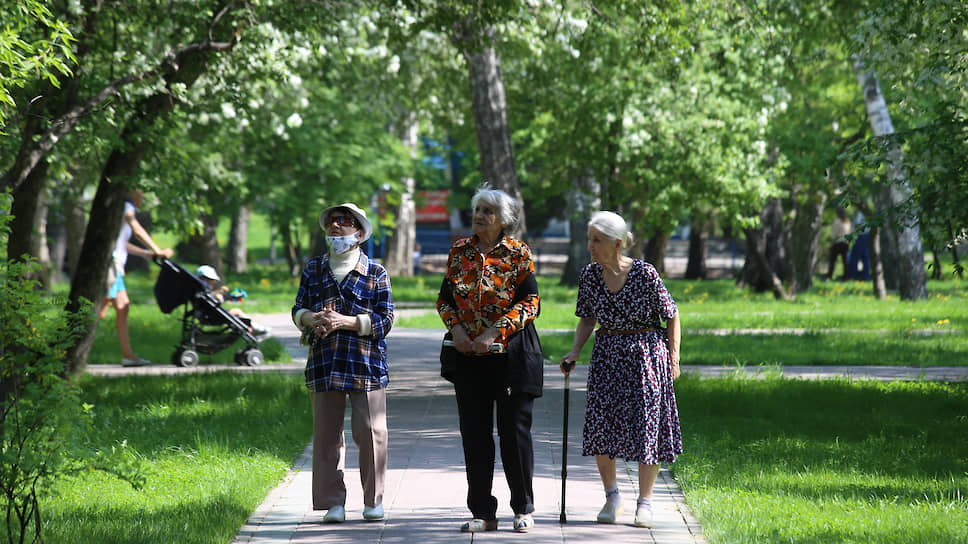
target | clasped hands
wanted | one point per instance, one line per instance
(481, 344)
(329, 320)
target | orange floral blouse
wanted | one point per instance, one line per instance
(483, 288)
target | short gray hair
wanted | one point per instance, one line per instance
(612, 226)
(508, 210)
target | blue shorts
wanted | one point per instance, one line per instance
(116, 287)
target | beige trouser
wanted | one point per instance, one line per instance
(368, 421)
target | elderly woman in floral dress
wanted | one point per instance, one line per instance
(630, 409)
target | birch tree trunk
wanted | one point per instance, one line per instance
(402, 239)
(912, 277)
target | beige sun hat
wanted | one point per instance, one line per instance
(358, 213)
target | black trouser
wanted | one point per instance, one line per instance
(480, 383)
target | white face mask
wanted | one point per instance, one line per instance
(341, 244)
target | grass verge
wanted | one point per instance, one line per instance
(780, 460)
(209, 446)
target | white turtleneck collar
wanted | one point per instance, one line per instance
(343, 263)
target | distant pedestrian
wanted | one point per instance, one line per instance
(117, 291)
(488, 293)
(838, 243)
(344, 309)
(859, 260)
(630, 406)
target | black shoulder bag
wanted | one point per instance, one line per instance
(525, 358)
(448, 353)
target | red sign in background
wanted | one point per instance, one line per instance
(432, 206)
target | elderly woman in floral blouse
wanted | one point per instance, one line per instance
(488, 293)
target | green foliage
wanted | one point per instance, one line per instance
(917, 51)
(34, 45)
(765, 462)
(39, 407)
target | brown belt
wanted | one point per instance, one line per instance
(632, 331)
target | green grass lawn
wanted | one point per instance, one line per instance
(781, 460)
(210, 447)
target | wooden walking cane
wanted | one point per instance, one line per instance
(567, 367)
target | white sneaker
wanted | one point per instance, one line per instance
(336, 514)
(610, 512)
(523, 523)
(373, 513)
(643, 515)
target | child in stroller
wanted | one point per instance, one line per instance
(207, 327)
(211, 279)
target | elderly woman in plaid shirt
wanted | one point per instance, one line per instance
(488, 293)
(344, 308)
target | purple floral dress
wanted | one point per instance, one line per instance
(630, 407)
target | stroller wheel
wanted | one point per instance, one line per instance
(185, 357)
(249, 357)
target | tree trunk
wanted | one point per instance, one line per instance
(26, 201)
(953, 244)
(877, 268)
(75, 221)
(205, 244)
(490, 112)
(238, 258)
(764, 271)
(292, 248)
(657, 250)
(912, 277)
(102, 231)
(640, 236)
(402, 239)
(57, 236)
(874, 246)
(581, 203)
(698, 250)
(805, 239)
(765, 252)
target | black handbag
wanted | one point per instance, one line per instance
(448, 358)
(526, 362)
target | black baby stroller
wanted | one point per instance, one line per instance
(207, 327)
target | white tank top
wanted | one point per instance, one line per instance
(121, 246)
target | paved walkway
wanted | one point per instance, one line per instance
(426, 487)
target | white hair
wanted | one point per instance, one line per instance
(507, 208)
(612, 226)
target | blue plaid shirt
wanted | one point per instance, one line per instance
(344, 360)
